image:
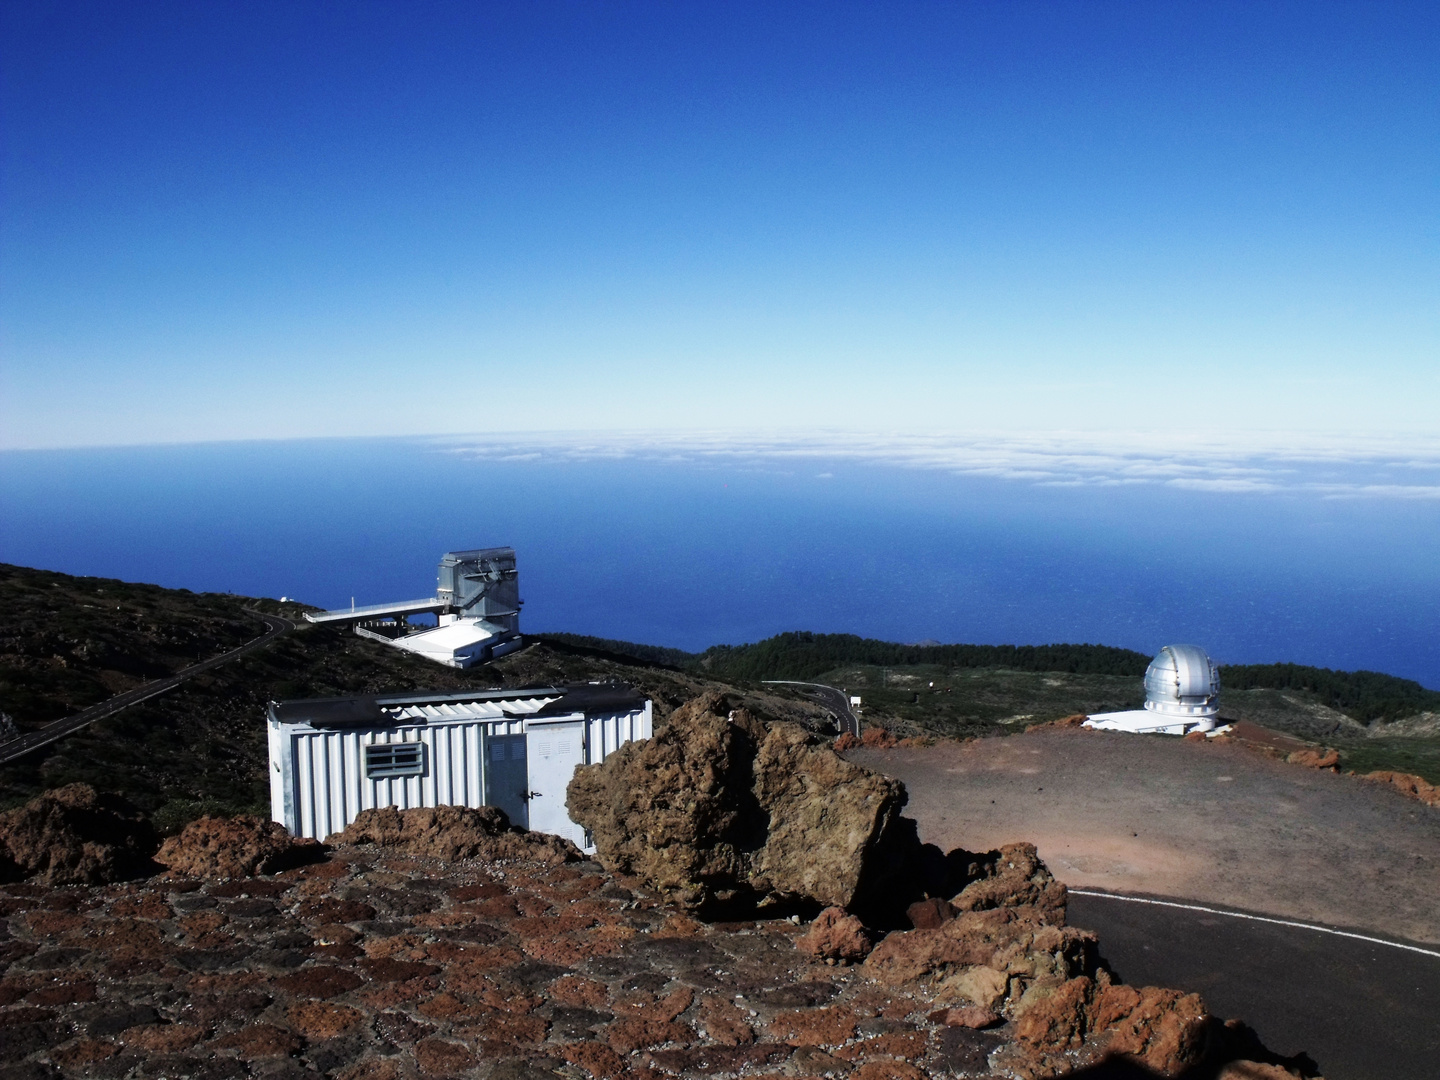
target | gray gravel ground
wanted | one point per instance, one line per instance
(1200, 821)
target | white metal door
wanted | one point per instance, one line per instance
(552, 752)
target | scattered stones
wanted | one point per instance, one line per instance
(75, 836)
(455, 832)
(237, 847)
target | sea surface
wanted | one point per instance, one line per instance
(1304, 555)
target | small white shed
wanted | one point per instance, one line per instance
(331, 758)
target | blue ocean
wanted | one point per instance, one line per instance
(1305, 556)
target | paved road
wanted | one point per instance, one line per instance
(1360, 1010)
(837, 701)
(275, 625)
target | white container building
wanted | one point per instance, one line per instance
(331, 758)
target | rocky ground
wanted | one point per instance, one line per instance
(377, 963)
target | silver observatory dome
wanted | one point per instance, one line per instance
(1182, 682)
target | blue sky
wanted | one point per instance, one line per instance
(230, 221)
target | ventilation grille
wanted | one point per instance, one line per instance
(384, 760)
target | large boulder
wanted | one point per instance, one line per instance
(74, 835)
(219, 847)
(718, 807)
(452, 833)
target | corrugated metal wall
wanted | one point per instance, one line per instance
(328, 772)
(604, 734)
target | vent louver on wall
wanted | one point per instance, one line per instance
(384, 760)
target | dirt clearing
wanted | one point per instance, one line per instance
(1198, 821)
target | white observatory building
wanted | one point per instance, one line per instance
(1182, 694)
(476, 605)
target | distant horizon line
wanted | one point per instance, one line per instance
(1236, 462)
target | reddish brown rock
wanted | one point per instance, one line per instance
(638, 1033)
(84, 1052)
(453, 833)
(717, 802)
(217, 847)
(836, 935)
(440, 1057)
(1014, 876)
(322, 1019)
(878, 738)
(846, 741)
(828, 1026)
(1316, 759)
(929, 914)
(320, 981)
(161, 1038)
(1417, 787)
(75, 836)
(1060, 1019)
(261, 1040)
(1163, 1030)
(595, 1058)
(966, 1016)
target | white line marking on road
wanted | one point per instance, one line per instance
(1256, 918)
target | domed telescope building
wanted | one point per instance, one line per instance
(1182, 694)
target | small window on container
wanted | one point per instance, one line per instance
(386, 760)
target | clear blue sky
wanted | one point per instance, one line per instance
(227, 220)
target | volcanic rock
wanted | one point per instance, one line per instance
(455, 832)
(1013, 876)
(1315, 759)
(930, 913)
(717, 805)
(1006, 938)
(215, 847)
(1163, 1030)
(836, 935)
(75, 836)
(1417, 787)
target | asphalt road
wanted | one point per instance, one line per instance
(837, 701)
(275, 625)
(1359, 1010)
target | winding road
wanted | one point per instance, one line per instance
(275, 625)
(1300, 901)
(837, 701)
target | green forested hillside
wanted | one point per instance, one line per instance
(1361, 695)
(804, 656)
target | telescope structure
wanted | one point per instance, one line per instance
(1182, 694)
(476, 605)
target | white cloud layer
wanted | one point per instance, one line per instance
(1322, 466)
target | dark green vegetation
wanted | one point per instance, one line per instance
(806, 656)
(69, 642)
(1361, 695)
